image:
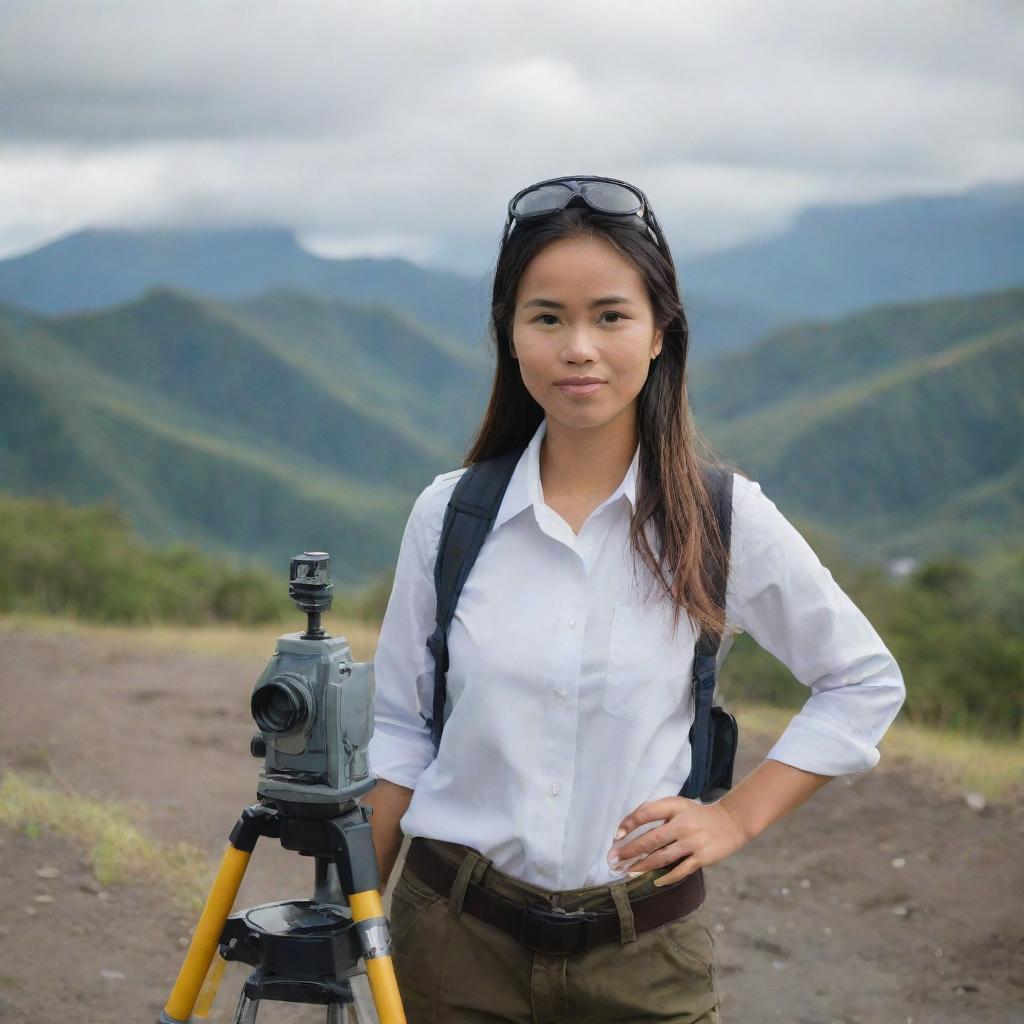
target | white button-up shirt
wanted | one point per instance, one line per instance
(568, 698)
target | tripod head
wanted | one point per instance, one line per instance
(314, 707)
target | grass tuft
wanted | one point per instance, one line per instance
(118, 851)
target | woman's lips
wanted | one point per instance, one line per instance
(580, 389)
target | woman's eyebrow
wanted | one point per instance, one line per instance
(608, 300)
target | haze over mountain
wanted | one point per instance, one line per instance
(830, 261)
(96, 268)
(837, 259)
(93, 269)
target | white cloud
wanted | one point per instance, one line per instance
(405, 127)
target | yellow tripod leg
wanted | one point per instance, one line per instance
(207, 934)
(379, 967)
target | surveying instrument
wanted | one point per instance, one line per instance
(314, 708)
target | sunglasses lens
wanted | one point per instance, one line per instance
(602, 196)
(611, 198)
(545, 199)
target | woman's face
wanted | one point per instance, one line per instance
(582, 310)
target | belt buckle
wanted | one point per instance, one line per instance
(572, 926)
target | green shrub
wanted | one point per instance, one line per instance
(86, 563)
(956, 630)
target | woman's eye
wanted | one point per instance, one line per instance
(546, 318)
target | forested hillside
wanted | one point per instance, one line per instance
(264, 425)
(209, 423)
(899, 428)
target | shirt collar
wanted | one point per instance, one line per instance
(524, 487)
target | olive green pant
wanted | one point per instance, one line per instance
(453, 967)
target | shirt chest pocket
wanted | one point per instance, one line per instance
(648, 671)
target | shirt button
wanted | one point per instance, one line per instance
(572, 623)
(560, 695)
(555, 789)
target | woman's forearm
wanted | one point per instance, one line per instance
(389, 802)
(769, 793)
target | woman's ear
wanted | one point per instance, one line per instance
(656, 346)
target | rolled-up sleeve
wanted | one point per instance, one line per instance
(781, 594)
(400, 748)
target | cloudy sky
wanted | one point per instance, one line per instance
(402, 128)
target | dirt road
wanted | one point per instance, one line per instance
(884, 900)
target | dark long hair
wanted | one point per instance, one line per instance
(671, 494)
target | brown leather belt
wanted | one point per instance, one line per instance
(554, 931)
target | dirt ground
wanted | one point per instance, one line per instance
(883, 900)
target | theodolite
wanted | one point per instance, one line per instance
(313, 706)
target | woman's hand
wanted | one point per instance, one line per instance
(388, 802)
(693, 833)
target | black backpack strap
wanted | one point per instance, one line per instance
(472, 509)
(719, 481)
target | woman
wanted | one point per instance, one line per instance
(551, 807)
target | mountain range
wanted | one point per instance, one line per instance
(264, 425)
(899, 427)
(97, 268)
(255, 427)
(842, 258)
(830, 261)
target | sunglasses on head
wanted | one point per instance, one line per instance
(603, 195)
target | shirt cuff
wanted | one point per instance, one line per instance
(397, 758)
(818, 746)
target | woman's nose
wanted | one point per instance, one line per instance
(579, 345)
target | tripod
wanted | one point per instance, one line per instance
(304, 951)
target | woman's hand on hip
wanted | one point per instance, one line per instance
(694, 835)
